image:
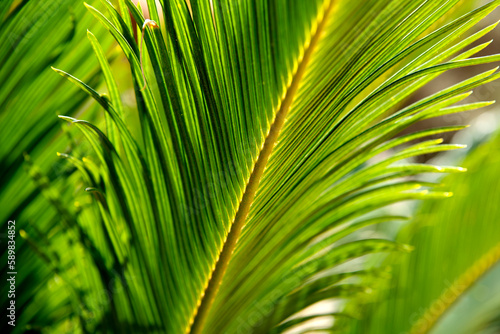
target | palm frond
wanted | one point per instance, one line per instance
(428, 283)
(33, 36)
(267, 133)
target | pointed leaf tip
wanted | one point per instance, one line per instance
(61, 72)
(150, 23)
(67, 118)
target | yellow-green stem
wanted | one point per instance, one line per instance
(451, 295)
(207, 299)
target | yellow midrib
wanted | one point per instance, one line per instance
(208, 296)
(450, 296)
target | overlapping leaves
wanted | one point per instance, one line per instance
(429, 283)
(35, 35)
(269, 119)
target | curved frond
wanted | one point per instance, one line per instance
(428, 284)
(267, 133)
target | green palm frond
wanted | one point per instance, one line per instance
(266, 133)
(35, 35)
(430, 282)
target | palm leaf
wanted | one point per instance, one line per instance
(428, 284)
(35, 35)
(267, 135)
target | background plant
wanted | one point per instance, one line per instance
(428, 285)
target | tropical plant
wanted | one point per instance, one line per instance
(262, 136)
(35, 35)
(438, 276)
